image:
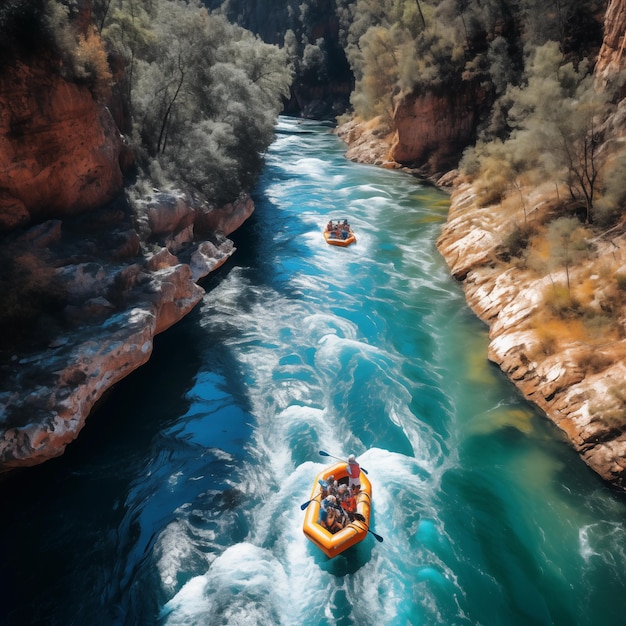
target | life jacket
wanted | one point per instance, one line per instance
(349, 503)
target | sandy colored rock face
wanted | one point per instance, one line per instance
(612, 57)
(576, 381)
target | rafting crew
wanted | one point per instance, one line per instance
(332, 516)
(339, 229)
(328, 486)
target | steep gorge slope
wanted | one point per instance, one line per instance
(117, 274)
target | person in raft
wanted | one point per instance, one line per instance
(347, 499)
(354, 472)
(328, 487)
(331, 515)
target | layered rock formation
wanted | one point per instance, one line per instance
(573, 375)
(124, 271)
(574, 378)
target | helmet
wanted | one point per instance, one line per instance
(331, 499)
(342, 488)
(351, 458)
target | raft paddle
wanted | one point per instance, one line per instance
(303, 506)
(361, 518)
(322, 453)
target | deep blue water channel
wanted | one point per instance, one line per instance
(180, 501)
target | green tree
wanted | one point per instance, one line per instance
(377, 85)
(557, 117)
(205, 94)
(568, 243)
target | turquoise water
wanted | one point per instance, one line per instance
(180, 502)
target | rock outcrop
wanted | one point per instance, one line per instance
(432, 130)
(575, 379)
(611, 58)
(123, 272)
(119, 296)
(429, 136)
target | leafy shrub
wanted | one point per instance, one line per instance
(204, 93)
(517, 241)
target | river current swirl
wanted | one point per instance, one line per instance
(180, 501)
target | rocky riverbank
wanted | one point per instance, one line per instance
(572, 373)
(120, 294)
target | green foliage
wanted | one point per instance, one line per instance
(24, 27)
(517, 241)
(609, 207)
(554, 123)
(204, 93)
(49, 28)
(375, 88)
(569, 244)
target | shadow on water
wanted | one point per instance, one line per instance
(132, 446)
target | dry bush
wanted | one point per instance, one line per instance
(561, 302)
(620, 280)
(549, 331)
(91, 64)
(516, 243)
(611, 409)
(490, 189)
(595, 361)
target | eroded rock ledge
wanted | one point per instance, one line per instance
(120, 295)
(576, 382)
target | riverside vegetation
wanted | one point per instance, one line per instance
(541, 153)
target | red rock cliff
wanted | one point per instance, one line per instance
(59, 148)
(432, 130)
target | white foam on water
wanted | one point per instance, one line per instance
(244, 586)
(175, 549)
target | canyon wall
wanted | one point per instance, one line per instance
(611, 58)
(59, 149)
(127, 269)
(431, 130)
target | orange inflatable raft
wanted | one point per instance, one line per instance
(333, 544)
(339, 234)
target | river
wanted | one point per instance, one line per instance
(180, 501)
